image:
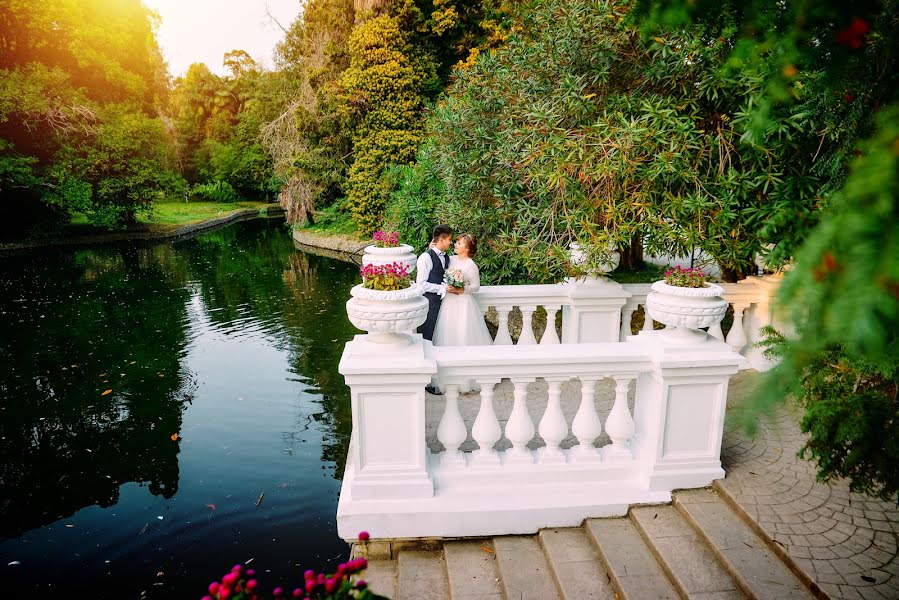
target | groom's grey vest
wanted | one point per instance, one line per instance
(434, 300)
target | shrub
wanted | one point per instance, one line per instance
(681, 277)
(217, 191)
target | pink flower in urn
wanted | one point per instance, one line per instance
(364, 536)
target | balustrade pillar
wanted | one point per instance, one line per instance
(451, 431)
(586, 425)
(502, 332)
(553, 428)
(520, 427)
(486, 430)
(647, 320)
(527, 326)
(715, 331)
(620, 424)
(626, 314)
(736, 337)
(549, 334)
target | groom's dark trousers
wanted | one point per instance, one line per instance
(434, 300)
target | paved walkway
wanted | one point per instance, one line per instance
(843, 541)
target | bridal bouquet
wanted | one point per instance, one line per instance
(453, 277)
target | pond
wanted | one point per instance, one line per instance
(169, 410)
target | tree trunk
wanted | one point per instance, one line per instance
(632, 254)
(732, 275)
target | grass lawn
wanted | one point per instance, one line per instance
(332, 221)
(175, 214)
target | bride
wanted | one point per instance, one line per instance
(460, 321)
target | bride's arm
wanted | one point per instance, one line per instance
(472, 279)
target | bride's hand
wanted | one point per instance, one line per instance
(455, 290)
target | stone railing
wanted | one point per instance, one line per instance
(602, 311)
(527, 450)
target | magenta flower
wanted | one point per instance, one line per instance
(309, 574)
(230, 579)
(361, 584)
(364, 536)
(214, 587)
(278, 591)
(251, 584)
(297, 593)
(330, 585)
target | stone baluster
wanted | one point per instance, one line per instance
(502, 333)
(553, 428)
(715, 331)
(647, 320)
(626, 313)
(451, 431)
(527, 327)
(620, 424)
(486, 431)
(586, 425)
(736, 337)
(550, 336)
(520, 427)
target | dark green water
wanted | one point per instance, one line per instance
(229, 341)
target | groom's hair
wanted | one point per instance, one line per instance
(440, 231)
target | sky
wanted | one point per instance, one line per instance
(204, 30)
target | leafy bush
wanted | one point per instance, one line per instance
(417, 193)
(217, 191)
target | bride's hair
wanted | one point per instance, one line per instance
(470, 243)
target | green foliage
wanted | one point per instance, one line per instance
(841, 299)
(81, 85)
(851, 407)
(581, 130)
(383, 91)
(416, 197)
(217, 191)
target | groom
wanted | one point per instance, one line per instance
(430, 269)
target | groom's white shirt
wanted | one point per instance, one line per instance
(423, 271)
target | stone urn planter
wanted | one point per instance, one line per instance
(388, 316)
(402, 254)
(686, 310)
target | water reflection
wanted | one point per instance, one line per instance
(221, 356)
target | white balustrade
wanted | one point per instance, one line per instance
(672, 440)
(451, 432)
(394, 485)
(550, 336)
(553, 428)
(520, 427)
(586, 425)
(486, 430)
(620, 424)
(526, 338)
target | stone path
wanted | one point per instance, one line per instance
(843, 542)
(768, 530)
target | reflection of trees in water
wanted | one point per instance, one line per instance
(77, 324)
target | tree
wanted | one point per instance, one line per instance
(842, 297)
(74, 74)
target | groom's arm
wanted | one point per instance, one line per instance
(423, 271)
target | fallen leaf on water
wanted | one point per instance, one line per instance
(212, 506)
(159, 517)
(69, 525)
(174, 437)
(486, 549)
(161, 375)
(261, 496)
(15, 562)
(106, 392)
(249, 561)
(103, 374)
(132, 362)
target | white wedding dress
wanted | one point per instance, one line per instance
(460, 321)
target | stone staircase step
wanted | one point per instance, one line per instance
(471, 570)
(523, 571)
(381, 577)
(575, 565)
(757, 571)
(634, 571)
(686, 560)
(421, 575)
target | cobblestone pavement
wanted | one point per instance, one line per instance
(844, 541)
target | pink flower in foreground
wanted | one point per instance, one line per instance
(364, 536)
(229, 579)
(361, 584)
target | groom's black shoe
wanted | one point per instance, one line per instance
(433, 390)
